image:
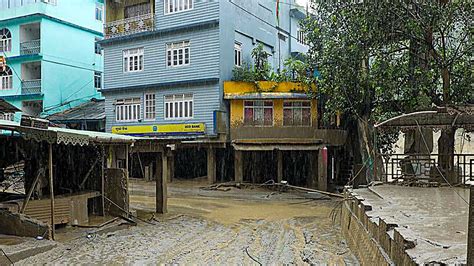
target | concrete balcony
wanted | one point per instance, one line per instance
(129, 26)
(31, 87)
(30, 47)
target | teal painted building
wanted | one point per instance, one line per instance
(53, 61)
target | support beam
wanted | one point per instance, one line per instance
(238, 167)
(470, 237)
(280, 166)
(211, 166)
(127, 173)
(322, 170)
(162, 173)
(103, 162)
(51, 188)
(312, 180)
(32, 188)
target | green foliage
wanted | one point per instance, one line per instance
(295, 70)
(378, 59)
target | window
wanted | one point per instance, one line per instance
(5, 40)
(258, 113)
(133, 60)
(150, 106)
(97, 48)
(99, 12)
(301, 36)
(98, 80)
(177, 53)
(137, 10)
(6, 79)
(7, 116)
(238, 54)
(127, 110)
(179, 106)
(297, 113)
(174, 6)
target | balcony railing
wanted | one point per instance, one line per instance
(30, 47)
(31, 86)
(129, 26)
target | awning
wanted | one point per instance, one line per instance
(65, 136)
(6, 107)
(278, 144)
(458, 117)
(265, 95)
(93, 110)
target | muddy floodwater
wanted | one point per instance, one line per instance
(240, 226)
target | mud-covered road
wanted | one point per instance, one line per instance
(240, 226)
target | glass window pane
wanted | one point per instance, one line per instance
(248, 116)
(268, 117)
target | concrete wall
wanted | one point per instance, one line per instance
(20, 225)
(373, 243)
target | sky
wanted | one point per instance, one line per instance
(302, 2)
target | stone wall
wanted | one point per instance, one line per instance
(373, 243)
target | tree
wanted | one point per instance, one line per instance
(381, 58)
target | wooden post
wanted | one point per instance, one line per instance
(280, 166)
(51, 188)
(211, 166)
(312, 179)
(127, 181)
(161, 186)
(322, 172)
(470, 233)
(102, 175)
(238, 167)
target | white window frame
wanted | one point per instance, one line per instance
(298, 109)
(179, 106)
(237, 54)
(7, 116)
(300, 36)
(150, 106)
(133, 60)
(98, 75)
(5, 40)
(6, 79)
(258, 107)
(99, 10)
(128, 110)
(177, 6)
(178, 49)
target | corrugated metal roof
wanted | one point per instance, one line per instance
(66, 136)
(93, 110)
(6, 107)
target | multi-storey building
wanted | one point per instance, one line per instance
(166, 62)
(52, 60)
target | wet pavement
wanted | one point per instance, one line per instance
(435, 218)
(241, 226)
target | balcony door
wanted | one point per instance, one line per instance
(137, 10)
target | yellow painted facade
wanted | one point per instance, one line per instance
(242, 88)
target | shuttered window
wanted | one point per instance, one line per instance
(175, 6)
(133, 60)
(150, 106)
(178, 54)
(179, 106)
(297, 113)
(258, 113)
(128, 110)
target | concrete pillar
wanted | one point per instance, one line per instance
(162, 174)
(238, 167)
(211, 166)
(280, 166)
(322, 172)
(470, 237)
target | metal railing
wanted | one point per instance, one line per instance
(30, 47)
(129, 26)
(31, 86)
(399, 167)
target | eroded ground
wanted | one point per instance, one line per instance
(213, 227)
